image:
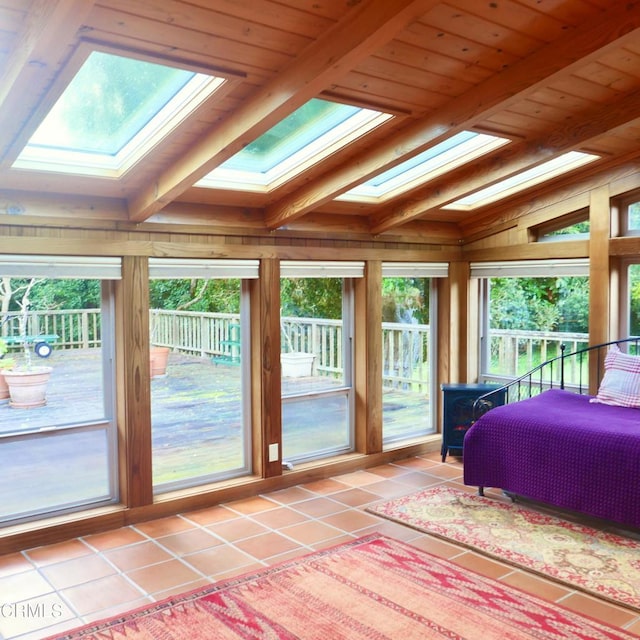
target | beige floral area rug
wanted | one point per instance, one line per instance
(584, 558)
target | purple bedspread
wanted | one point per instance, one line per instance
(560, 449)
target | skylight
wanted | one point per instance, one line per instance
(111, 113)
(443, 157)
(307, 135)
(545, 171)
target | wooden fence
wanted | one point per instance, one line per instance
(76, 329)
(513, 353)
(406, 347)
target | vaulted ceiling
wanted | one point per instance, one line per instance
(552, 76)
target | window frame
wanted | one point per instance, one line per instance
(484, 271)
(98, 165)
(347, 271)
(211, 269)
(623, 205)
(70, 267)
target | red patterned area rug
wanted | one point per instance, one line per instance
(581, 557)
(374, 587)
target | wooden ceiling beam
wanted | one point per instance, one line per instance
(363, 31)
(556, 60)
(40, 46)
(511, 160)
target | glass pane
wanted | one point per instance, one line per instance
(578, 230)
(313, 362)
(313, 427)
(107, 103)
(43, 474)
(545, 171)
(530, 318)
(308, 123)
(62, 330)
(634, 299)
(74, 393)
(634, 216)
(454, 152)
(308, 134)
(312, 338)
(50, 460)
(112, 112)
(198, 425)
(406, 376)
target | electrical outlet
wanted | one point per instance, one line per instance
(273, 452)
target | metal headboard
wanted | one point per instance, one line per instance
(552, 373)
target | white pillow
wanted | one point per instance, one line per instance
(620, 385)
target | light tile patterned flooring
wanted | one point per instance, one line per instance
(46, 590)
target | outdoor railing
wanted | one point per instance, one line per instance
(405, 357)
(513, 353)
(405, 347)
(76, 329)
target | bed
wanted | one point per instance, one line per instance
(568, 449)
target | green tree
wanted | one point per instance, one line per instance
(67, 294)
(404, 299)
(212, 296)
(542, 304)
(51, 294)
(311, 298)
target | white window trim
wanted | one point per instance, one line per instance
(531, 268)
(321, 269)
(415, 269)
(29, 266)
(162, 268)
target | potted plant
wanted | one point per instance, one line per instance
(294, 363)
(27, 383)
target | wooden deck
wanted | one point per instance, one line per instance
(75, 393)
(196, 425)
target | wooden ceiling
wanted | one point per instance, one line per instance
(551, 75)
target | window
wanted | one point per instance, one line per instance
(113, 111)
(446, 156)
(200, 404)
(572, 227)
(545, 171)
(634, 216)
(630, 214)
(530, 309)
(309, 134)
(61, 456)
(408, 356)
(316, 320)
(632, 315)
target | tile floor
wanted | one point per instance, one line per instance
(46, 590)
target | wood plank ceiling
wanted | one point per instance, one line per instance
(550, 75)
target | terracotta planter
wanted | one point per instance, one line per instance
(158, 358)
(28, 388)
(4, 389)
